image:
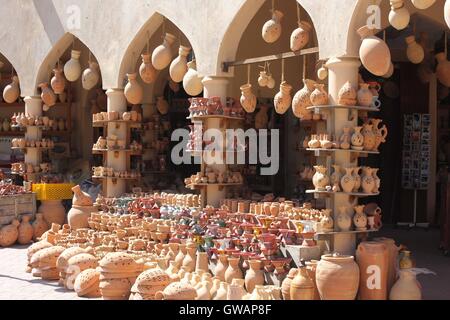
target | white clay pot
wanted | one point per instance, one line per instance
(178, 67)
(423, 4)
(146, 70)
(162, 55)
(248, 98)
(399, 16)
(133, 90)
(91, 76)
(72, 68)
(192, 83)
(283, 99)
(12, 91)
(300, 36)
(271, 30)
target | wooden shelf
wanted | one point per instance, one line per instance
(357, 153)
(12, 133)
(353, 194)
(317, 109)
(132, 124)
(12, 105)
(215, 116)
(102, 151)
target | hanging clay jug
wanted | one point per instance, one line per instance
(407, 287)
(367, 181)
(399, 16)
(300, 36)
(133, 90)
(53, 211)
(190, 258)
(162, 55)
(221, 267)
(327, 222)
(91, 76)
(72, 68)
(365, 96)
(286, 285)
(443, 69)
(357, 139)
(263, 79)
(9, 234)
(39, 226)
(337, 277)
(302, 287)
(302, 100)
(447, 13)
(25, 231)
(347, 181)
(320, 178)
(414, 51)
(58, 82)
(372, 258)
(12, 91)
(233, 271)
(360, 218)
(343, 220)
(262, 118)
(47, 95)
(248, 98)
(178, 67)
(192, 83)
(254, 275)
(374, 52)
(283, 99)
(319, 97)
(369, 137)
(423, 4)
(162, 105)
(271, 30)
(146, 70)
(347, 95)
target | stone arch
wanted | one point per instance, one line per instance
(7, 61)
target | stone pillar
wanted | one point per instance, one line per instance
(33, 107)
(340, 71)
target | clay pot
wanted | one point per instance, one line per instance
(39, 226)
(319, 97)
(202, 262)
(72, 68)
(283, 99)
(320, 178)
(180, 256)
(254, 276)
(178, 67)
(53, 211)
(347, 95)
(337, 277)
(406, 287)
(399, 16)
(365, 96)
(133, 90)
(12, 91)
(271, 30)
(327, 222)
(177, 291)
(190, 258)
(192, 83)
(369, 137)
(374, 52)
(414, 51)
(311, 268)
(360, 218)
(443, 69)
(343, 220)
(78, 216)
(87, 284)
(302, 287)
(300, 36)
(47, 95)
(286, 285)
(58, 82)
(222, 292)
(357, 139)
(367, 180)
(25, 231)
(347, 181)
(221, 267)
(248, 99)
(162, 105)
(9, 234)
(162, 55)
(302, 100)
(81, 198)
(146, 70)
(372, 259)
(423, 4)
(91, 76)
(233, 271)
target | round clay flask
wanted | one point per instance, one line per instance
(12, 91)
(374, 52)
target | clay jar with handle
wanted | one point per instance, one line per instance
(25, 231)
(300, 36)
(233, 271)
(372, 258)
(364, 96)
(374, 52)
(178, 67)
(254, 275)
(369, 137)
(407, 287)
(302, 286)
(271, 30)
(248, 98)
(58, 82)
(283, 99)
(337, 277)
(302, 100)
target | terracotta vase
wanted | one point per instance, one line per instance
(233, 271)
(443, 69)
(377, 180)
(311, 268)
(343, 220)
(58, 82)
(347, 95)
(133, 90)
(302, 286)
(372, 258)
(399, 16)
(367, 180)
(369, 137)
(254, 275)
(423, 4)
(147, 72)
(178, 67)
(162, 55)
(360, 218)
(300, 36)
(357, 139)
(180, 256)
(414, 51)
(319, 97)
(9, 234)
(53, 211)
(320, 178)
(78, 216)
(91, 76)
(47, 95)
(392, 260)
(286, 285)
(336, 176)
(356, 178)
(192, 83)
(337, 277)
(347, 181)
(380, 134)
(364, 96)
(302, 100)
(202, 262)
(81, 198)
(39, 226)
(407, 287)
(283, 99)
(190, 258)
(72, 68)
(327, 222)
(221, 267)
(12, 91)
(374, 52)
(248, 98)
(271, 30)
(25, 231)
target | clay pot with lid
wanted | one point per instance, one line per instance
(25, 231)
(146, 70)
(337, 277)
(9, 234)
(91, 76)
(77, 264)
(47, 95)
(248, 99)
(302, 286)
(374, 52)
(58, 82)
(443, 69)
(254, 275)
(178, 67)
(72, 68)
(12, 91)
(233, 271)
(192, 82)
(87, 284)
(162, 55)
(39, 226)
(271, 30)
(150, 282)
(300, 36)
(302, 100)
(133, 90)
(283, 99)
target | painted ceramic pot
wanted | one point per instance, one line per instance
(369, 137)
(357, 139)
(162, 55)
(283, 99)
(374, 52)
(300, 36)
(271, 30)
(72, 68)
(347, 95)
(320, 178)
(367, 180)
(302, 100)
(327, 222)
(348, 181)
(178, 67)
(360, 219)
(319, 96)
(365, 96)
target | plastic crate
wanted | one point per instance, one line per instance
(61, 191)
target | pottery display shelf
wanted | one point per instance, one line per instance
(215, 116)
(353, 111)
(319, 152)
(104, 123)
(220, 185)
(117, 151)
(351, 194)
(24, 149)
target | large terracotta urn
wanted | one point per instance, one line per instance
(374, 52)
(78, 216)
(414, 51)
(283, 98)
(248, 99)
(47, 95)
(302, 100)
(407, 287)
(9, 234)
(12, 91)
(221, 267)
(302, 286)
(337, 277)
(178, 67)
(300, 36)
(271, 30)
(254, 275)
(58, 82)
(146, 70)
(91, 76)
(320, 178)
(286, 285)
(133, 90)
(233, 271)
(72, 68)
(192, 83)
(399, 15)
(39, 226)
(25, 231)
(443, 69)
(373, 261)
(53, 211)
(162, 55)
(393, 267)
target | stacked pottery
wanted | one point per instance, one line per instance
(76, 264)
(233, 271)
(302, 100)
(62, 262)
(9, 234)
(146, 70)
(283, 99)
(178, 67)
(149, 283)
(286, 285)
(35, 247)
(374, 52)
(162, 55)
(12, 91)
(82, 207)
(337, 277)
(133, 90)
(300, 36)
(25, 231)
(302, 286)
(87, 284)
(118, 272)
(372, 258)
(44, 261)
(271, 30)
(254, 275)
(177, 291)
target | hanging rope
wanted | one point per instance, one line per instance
(298, 12)
(248, 73)
(273, 6)
(282, 70)
(384, 35)
(445, 43)
(164, 27)
(304, 67)
(148, 42)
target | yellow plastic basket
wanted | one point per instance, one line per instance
(62, 191)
